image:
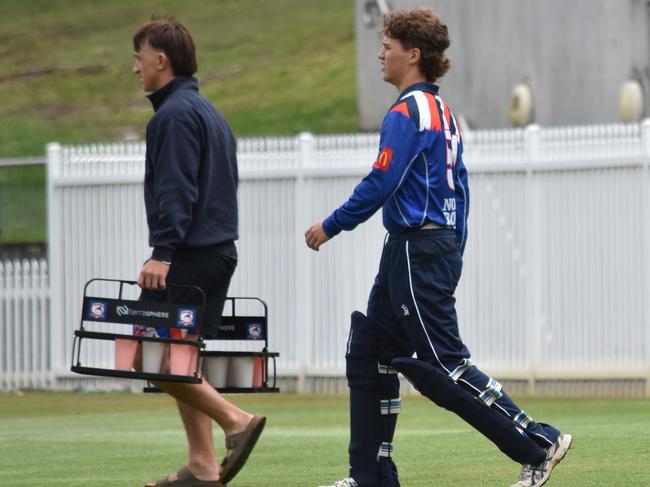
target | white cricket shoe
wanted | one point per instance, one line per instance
(536, 475)
(349, 482)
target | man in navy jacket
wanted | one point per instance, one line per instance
(191, 202)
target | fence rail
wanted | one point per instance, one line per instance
(556, 271)
(22, 161)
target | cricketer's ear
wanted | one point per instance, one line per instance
(415, 55)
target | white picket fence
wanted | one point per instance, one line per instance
(24, 325)
(557, 267)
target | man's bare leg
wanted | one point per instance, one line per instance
(198, 405)
(202, 459)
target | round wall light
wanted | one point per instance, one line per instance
(631, 101)
(521, 105)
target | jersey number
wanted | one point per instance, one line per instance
(452, 153)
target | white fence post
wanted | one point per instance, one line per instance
(6, 323)
(303, 294)
(645, 225)
(534, 267)
(55, 259)
(41, 321)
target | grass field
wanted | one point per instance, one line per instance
(105, 440)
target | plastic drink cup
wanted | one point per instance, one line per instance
(152, 354)
(240, 372)
(125, 351)
(216, 369)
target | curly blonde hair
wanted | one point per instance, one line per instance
(423, 29)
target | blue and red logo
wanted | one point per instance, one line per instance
(254, 331)
(97, 310)
(186, 318)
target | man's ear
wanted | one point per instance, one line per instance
(162, 61)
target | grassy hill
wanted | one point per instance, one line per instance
(272, 67)
(275, 67)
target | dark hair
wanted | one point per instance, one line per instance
(421, 28)
(171, 37)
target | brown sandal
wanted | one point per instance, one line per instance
(185, 478)
(238, 448)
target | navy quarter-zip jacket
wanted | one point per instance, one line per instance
(191, 175)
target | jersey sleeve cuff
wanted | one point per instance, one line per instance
(330, 229)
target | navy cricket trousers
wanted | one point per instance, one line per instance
(412, 304)
(412, 300)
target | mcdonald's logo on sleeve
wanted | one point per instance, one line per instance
(383, 161)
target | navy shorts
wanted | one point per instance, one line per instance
(209, 268)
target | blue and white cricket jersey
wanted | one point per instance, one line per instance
(418, 177)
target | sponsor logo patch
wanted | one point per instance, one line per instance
(97, 310)
(383, 160)
(254, 331)
(186, 317)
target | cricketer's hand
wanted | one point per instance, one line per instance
(315, 236)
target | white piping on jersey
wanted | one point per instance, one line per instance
(426, 202)
(463, 236)
(398, 186)
(423, 109)
(400, 210)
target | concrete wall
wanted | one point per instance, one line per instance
(575, 54)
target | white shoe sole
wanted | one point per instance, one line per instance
(565, 442)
